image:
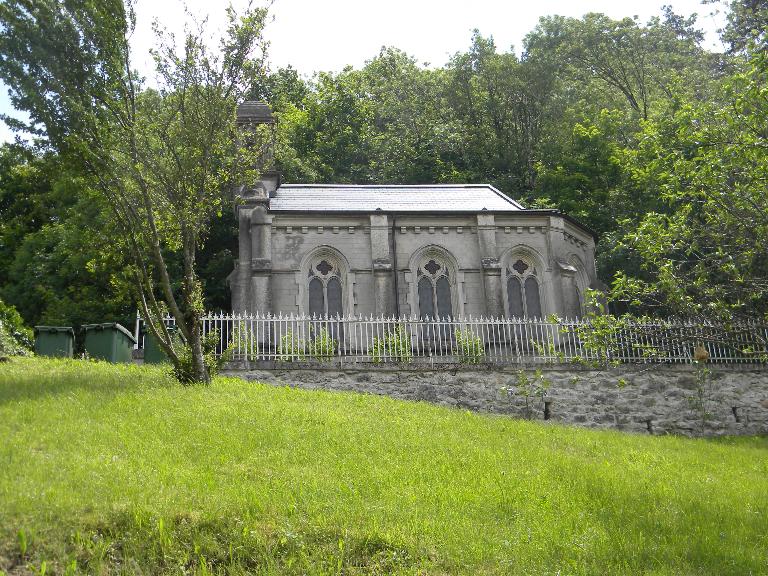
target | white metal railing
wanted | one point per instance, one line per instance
(354, 340)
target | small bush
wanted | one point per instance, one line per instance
(15, 338)
(323, 346)
(530, 389)
(470, 347)
(184, 371)
(396, 345)
(291, 348)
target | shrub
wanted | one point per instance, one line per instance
(291, 348)
(15, 338)
(530, 388)
(470, 347)
(323, 346)
(184, 372)
(396, 345)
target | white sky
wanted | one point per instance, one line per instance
(313, 35)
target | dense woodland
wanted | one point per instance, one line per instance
(657, 144)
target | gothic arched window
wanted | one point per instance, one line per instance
(325, 288)
(577, 306)
(576, 282)
(434, 289)
(523, 296)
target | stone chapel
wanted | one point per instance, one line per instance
(429, 251)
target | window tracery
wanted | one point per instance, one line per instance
(523, 289)
(324, 289)
(434, 288)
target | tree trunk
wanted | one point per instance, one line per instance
(200, 372)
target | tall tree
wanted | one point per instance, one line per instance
(56, 261)
(747, 25)
(500, 102)
(409, 120)
(378, 124)
(161, 158)
(642, 63)
(708, 162)
(26, 187)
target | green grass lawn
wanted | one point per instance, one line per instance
(107, 469)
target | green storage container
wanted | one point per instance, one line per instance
(109, 341)
(153, 354)
(54, 341)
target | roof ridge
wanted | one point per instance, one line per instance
(304, 185)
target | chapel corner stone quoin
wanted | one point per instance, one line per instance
(427, 251)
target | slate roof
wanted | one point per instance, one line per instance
(252, 111)
(391, 198)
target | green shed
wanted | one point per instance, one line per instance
(109, 341)
(56, 341)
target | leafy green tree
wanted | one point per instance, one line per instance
(281, 88)
(708, 162)
(747, 25)
(329, 137)
(161, 159)
(57, 265)
(384, 123)
(612, 76)
(412, 133)
(67, 274)
(501, 104)
(586, 179)
(641, 63)
(26, 190)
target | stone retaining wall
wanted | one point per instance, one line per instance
(646, 399)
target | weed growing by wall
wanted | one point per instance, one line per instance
(469, 346)
(396, 345)
(291, 348)
(323, 346)
(531, 388)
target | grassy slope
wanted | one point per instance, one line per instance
(116, 469)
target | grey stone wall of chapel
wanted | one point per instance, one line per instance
(273, 249)
(250, 282)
